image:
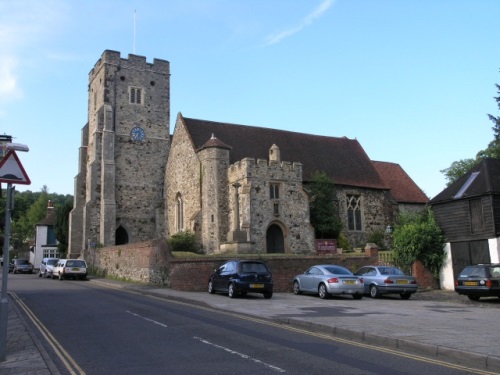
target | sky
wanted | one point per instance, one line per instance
(412, 80)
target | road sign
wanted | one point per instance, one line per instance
(12, 171)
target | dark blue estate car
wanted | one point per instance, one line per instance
(480, 280)
(241, 277)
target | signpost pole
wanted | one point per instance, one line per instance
(4, 301)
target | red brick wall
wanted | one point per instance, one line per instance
(193, 274)
(151, 263)
(425, 278)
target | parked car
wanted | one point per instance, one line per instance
(20, 266)
(241, 277)
(329, 279)
(70, 269)
(480, 280)
(47, 267)
(381, 280)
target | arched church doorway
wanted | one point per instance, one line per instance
(275, 242)
(121, 236)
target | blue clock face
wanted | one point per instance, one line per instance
(137, 134)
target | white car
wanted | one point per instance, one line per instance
(47, 267)
(70, 269)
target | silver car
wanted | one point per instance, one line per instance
(328, 279)
(387, 280)
(47, 267)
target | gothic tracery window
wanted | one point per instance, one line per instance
(354, 212)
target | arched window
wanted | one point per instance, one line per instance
(179, 214)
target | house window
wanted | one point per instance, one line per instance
(179, 214)
(51, 236)
(274, 191)
(354, 212)
(476, 215)
(135, 95)
(51, 253)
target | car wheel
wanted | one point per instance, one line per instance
(15, 271)
(296, 288)
(405, 295)
(357, 296)
(230, 291)
(211, 289)
(374, 293)
(39, 274)
(60, 277)
(474, 297)
(268, 295)
(323, 293)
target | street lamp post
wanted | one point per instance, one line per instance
(4, 300)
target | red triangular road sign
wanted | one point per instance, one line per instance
(12, 171)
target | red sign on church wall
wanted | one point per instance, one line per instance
(326, 246)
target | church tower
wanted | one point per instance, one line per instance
(118, 195)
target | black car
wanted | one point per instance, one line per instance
(20, 266)
(480, 280)
(242, 277)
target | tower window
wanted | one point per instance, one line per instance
(274, 191)
(135, 95)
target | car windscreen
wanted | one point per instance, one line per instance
(21, 261)
(391, 271)
(253, 267)
(75, 263)
(473, 272)
(52, 262)
(338, 270)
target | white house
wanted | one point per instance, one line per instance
(45, 238)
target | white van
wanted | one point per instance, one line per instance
(70, 269)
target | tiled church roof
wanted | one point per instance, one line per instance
(343, 159)
(403, 188)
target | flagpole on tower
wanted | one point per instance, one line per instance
(134, 32)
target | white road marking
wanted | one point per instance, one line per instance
(147, 319)
(275, 368)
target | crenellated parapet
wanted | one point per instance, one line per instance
(136, 62)
(262, 169)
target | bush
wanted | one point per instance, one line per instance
(417, 236)
(343, 242)
(377, 237)
(183, 241)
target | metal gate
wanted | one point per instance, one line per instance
(467, 253)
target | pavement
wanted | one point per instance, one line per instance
(435, 324)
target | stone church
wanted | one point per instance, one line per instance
(238, 188)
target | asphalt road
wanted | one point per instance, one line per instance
(107, 331)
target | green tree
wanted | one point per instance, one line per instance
(61, 225)
(323, 211)
(459, 168)
(417, 236)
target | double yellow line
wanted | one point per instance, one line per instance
(63, 355)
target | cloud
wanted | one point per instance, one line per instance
(25, 25)
(8, 80)
(308, 20)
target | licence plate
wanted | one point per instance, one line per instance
(470, 283)
(256, 286)
(401, 281)
(350, 282)
(75, 269)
